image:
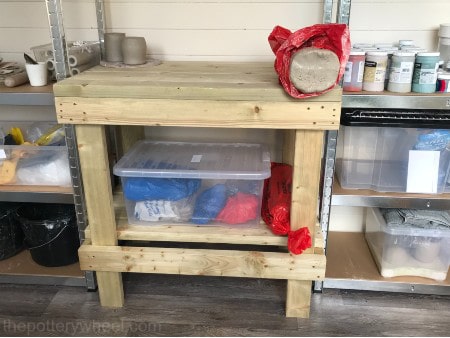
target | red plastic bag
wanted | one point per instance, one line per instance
(276, 208)
(284, 43)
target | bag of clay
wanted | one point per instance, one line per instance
(310, 61)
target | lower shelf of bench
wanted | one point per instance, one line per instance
(229, 263)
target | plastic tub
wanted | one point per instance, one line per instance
(51, 233)
(425, 72)
(384, 159)
(405, 250)
(401, 72)
(375, 71)
(354, 71)
(193, 183)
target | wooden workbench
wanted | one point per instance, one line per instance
(196, 94)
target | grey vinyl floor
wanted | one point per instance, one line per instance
(162, 305)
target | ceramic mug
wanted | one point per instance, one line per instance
(134, 49)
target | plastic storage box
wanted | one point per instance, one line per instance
(31, 164)
(193, 183)
(393, 159)
(407, 251)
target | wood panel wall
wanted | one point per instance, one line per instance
(216, 29)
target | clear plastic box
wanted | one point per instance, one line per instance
(27, 164)
(407, 251)
(380, 159)
(193, 183)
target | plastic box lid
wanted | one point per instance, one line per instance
(242, 161)
(408, 230)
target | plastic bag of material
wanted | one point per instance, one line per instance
(156, 188)
(44, 170)
(276, 208)
(328, 37)
(209, 203)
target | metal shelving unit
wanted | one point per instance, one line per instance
(21, 268)
(349, 261)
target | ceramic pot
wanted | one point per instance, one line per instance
(134, 50)
(113, 47)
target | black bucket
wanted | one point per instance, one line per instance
(51, 233)
(11, 235)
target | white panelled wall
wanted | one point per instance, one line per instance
(221, 30)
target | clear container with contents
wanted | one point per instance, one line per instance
(375, 71)
(193, 183)
(402, 249)
(354, 71)
(425, 72)
(401, 72)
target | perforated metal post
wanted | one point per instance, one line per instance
(100, 12)
(343, 11)
(343, 15)
(55, 20)
(59, 44)
(327, 11)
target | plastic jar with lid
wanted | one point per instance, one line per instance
(443, 83)
(425, 72)
(401, 72)
(413, 49)
(402, 43)
(444, 45)
(375, 71)
(354, 71)
(390, 52)
(384, 45)
(363, 45)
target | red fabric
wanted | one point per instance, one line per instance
(239, 208)
(284, 43)
(276, 206)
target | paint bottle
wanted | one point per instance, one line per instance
(375, 71)
(401, 72)
(425, 72)
(354, 71)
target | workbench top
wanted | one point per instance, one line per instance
(205, 94)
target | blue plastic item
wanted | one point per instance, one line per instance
(209, 203)
(436, 140)
(154, 188)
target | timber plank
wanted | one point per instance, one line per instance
(228, 263)
(186, 81)
(197, 113)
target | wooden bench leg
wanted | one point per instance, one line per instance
(110, 288)
(298, 298)
(306, 147)
(92, 149)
